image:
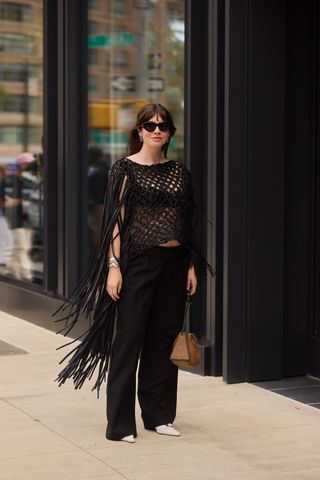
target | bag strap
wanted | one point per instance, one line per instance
(186, 310)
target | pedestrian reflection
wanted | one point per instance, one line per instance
(19, 264)
(5, 233)
(21, 213)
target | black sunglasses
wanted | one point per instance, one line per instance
(151, 126)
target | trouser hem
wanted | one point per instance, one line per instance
(118, 436)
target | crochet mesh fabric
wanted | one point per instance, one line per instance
(159, 207)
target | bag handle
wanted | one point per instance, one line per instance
(186, 310)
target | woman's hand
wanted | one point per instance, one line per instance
(192, 280)
(114, 283)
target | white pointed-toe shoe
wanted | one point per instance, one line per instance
(129, 439)
(167, 430)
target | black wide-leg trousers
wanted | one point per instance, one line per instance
(149, 316)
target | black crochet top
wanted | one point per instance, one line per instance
(158, 206)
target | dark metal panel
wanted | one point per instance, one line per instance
(235, 144)
(211, 177)
(50, 145)
(299, 178)
(65, 143)
(60, 149)
(27, 304)
(195, 134)
(75, 141)
(265, 197)
(203, 28)
(35, 307)
(254, 181)
(215, 125)
(314, 327)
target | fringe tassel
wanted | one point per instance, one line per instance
(90, 296)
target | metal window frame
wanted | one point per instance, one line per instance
(72, 144)
(204, 149)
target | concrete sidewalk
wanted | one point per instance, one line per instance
(229, 431)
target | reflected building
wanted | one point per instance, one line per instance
(21, 132)
(136, 55)
(21, 77)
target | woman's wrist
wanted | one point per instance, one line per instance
(113, 262)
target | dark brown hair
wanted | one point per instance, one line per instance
(144, 115)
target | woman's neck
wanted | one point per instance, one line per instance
(150, 155)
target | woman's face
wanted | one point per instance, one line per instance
(156, 138)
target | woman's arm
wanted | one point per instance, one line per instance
(192, 280)
(114, 280)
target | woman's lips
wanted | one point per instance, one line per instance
(156, 138)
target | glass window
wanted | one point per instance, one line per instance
(13, 134)
(19, 104)
(17, 73)
(12, 103)
(120, 59)
(10, 134)
(16, 43)
(119, 7)
(92, 83)
(93, 4)
(15, 12)
(93, 28)
(93, 57)
(140, 59)
(21, 133)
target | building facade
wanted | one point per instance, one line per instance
(241, 79)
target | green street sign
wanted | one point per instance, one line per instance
(123, 39)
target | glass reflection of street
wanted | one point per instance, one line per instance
(136, 56)
(21, 131)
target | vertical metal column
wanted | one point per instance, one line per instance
(254, 190)
(50, 146)
(201, 157)
(72, 147)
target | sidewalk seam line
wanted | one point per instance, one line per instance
(67, 439)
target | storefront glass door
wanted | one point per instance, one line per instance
(136, 56)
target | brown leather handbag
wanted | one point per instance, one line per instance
(185, 351)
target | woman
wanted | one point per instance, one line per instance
(148, 259)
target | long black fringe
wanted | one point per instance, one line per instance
(90, 297)
(201, 265)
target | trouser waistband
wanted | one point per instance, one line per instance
(167, 252)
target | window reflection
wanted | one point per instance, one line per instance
(15, 12)
(136, 56)
(16, 43)
(21, 132)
